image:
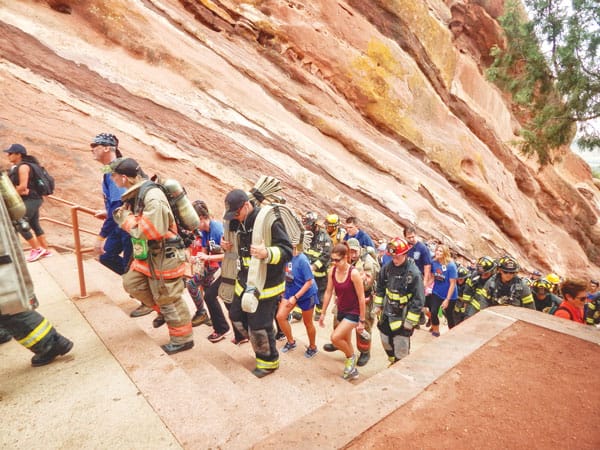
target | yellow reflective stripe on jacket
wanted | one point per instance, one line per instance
(37, 334)
(269, 365)
(378, 300)
(395, 324)
(274, 255)
(266, 293)
(246, 261)
(395, 297)
(481, 291)
(413, 317)
(527, 299)
(475, 304)
(319, 274)
(272, 291)
(466, 298)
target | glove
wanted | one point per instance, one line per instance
(250, 301)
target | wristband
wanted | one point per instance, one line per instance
(362, 320)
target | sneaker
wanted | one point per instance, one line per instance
(280, 336)
(317, 316)
(216, 337)
(287, 347)
(349, 365)
(297, 316)
(201, 318)
(35, 254)
(310, 352)
(240, 342)
(352, 375)
(46, 253)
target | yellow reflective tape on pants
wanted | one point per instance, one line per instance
(269, 365)
(37, 334)
(475, 304)
(412, 317)
(395, 325)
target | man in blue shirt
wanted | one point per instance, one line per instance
(352, 231)
(420, 253)
(113, 244)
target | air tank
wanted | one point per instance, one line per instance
(187, 213)
(12, 199)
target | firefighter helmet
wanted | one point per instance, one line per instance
(542, 284)
(398, 246)
(332, 220)
(463, 273)
(553, 278)
(485, 264)
(508, 264)
(310, 219)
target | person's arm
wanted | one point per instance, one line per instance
(451, 289)
(24, 172)
(326, 297)
(359, 287)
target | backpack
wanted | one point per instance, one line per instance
(41, 180)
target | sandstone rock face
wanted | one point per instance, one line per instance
(377, 108)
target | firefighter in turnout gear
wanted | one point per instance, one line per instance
(545, 300)
(398, 301)
(155, 276)
(17, 319)
(275, 251)
(319, 254)
(505, 288)
(335, 232)
(468, 305)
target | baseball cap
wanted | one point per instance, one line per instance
(16, 148)
(234, 200)
(353, 244)
(125, 166)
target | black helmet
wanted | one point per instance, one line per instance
(463, 273)
(485, 264)
(310, 219)
(542, 284)
(107, 139)
(508, 264)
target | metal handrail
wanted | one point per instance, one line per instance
(79, 251)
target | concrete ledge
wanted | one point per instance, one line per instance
(387, 391)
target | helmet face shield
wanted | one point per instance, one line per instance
(309, 220)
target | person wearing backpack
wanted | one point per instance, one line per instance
(156, 273)
(21, 174)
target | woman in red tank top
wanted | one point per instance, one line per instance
(350, 293)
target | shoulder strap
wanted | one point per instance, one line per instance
(562, 308)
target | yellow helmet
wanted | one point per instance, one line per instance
(553, 278)
(332, 220)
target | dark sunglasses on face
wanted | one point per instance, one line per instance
(336, 260)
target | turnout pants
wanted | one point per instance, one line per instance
(31, 330)
(165, 297)
(259, 329)
(395, 343)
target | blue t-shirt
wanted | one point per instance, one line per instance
(213, 236)
(442, 274)
(112, 200)
(363, 238)
(298, 272)
(420, 253)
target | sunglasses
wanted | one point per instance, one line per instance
(336, 260)
(581, 298)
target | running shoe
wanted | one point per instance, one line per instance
(46, 252)
(216, 337)
(240, 342)
(353, 375)
(280, 336)
(310, 352)
(349, 366)
(288, 346)
(35, 254)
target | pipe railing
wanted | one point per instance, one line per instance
(78, 249)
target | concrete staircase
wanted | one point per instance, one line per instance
(207, 396)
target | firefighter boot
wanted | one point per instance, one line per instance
(61, 346)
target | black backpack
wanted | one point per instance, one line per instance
(41, 180)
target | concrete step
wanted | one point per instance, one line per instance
(207, 396)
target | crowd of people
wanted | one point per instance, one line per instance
(248, 264)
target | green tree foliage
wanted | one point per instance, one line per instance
(551, 66)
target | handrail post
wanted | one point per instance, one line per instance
(76, 239)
